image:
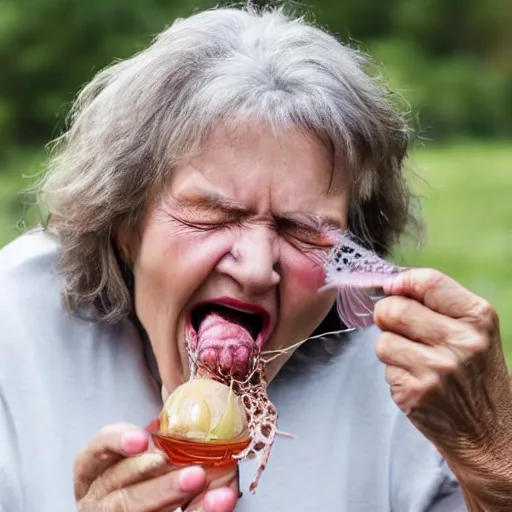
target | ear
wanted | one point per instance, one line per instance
(127, 243)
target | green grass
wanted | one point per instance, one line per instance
(466, 205)
(469, 218)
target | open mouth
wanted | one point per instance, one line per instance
(253, 323)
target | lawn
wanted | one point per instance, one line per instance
(466, 203)
(467, 206)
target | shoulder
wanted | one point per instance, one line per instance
(29, 286)
(28, 270)
(37, 329)
(27, 249)
(25, 286)
(40, 339)
(31, 312)
(30, 292)
(66, 375)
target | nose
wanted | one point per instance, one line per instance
(253, 259)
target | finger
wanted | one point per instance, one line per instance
(436, 290)
(220, 500)
(168, 491)
(218, 478)
(129, 472)
(406, 390)
(417, 322)
(110, 445)
(417, 359)
(396, 375)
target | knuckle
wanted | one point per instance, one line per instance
(392, 310)
(425, 386)
(405, 398)
(102, 486)
(154, 497)
(411, 392)
(417, 387)
(486, 315)
(447, 365)
(424, 278)
(396, 376)
(105, 431)
(81, 480)
(383, 345)
(78, 467)
(113, 478)
(83, 506)
(143, 465)
(478, 343)
(429, 280)
(123, 503)
(91, 505)
(431, 277)
(128, 472)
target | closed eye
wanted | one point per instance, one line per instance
(207, 218)
(210, 224)
(204, 212)
(303, 233)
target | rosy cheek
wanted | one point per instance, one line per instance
(303, 271)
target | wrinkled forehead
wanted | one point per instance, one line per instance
(287, 162)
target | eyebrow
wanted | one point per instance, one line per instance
(214, 200)
(311, 220)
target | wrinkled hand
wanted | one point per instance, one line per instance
(117, 472)
(445, 364)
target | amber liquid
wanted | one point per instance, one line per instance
(184, 452)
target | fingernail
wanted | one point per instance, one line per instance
(192, 479)
(134, 441)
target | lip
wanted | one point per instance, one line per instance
(240, 305)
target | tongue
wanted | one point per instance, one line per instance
(217, 328)
(224, 344)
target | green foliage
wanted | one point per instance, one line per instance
(449, 95)
(50, 48)
(450, 57)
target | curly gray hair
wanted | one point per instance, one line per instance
(136, 119)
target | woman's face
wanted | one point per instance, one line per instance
(234, 228)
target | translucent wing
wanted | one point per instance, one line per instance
(358, 274)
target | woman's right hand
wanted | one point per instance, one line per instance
(117, 473)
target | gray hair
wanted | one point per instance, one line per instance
(139, 117)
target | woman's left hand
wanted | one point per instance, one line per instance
(445, 365)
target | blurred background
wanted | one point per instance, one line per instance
(451, 60)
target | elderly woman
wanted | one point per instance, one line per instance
(194, 183)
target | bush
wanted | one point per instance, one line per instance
(453, 95)
(450, 58)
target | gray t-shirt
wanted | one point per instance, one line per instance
(62, 379)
